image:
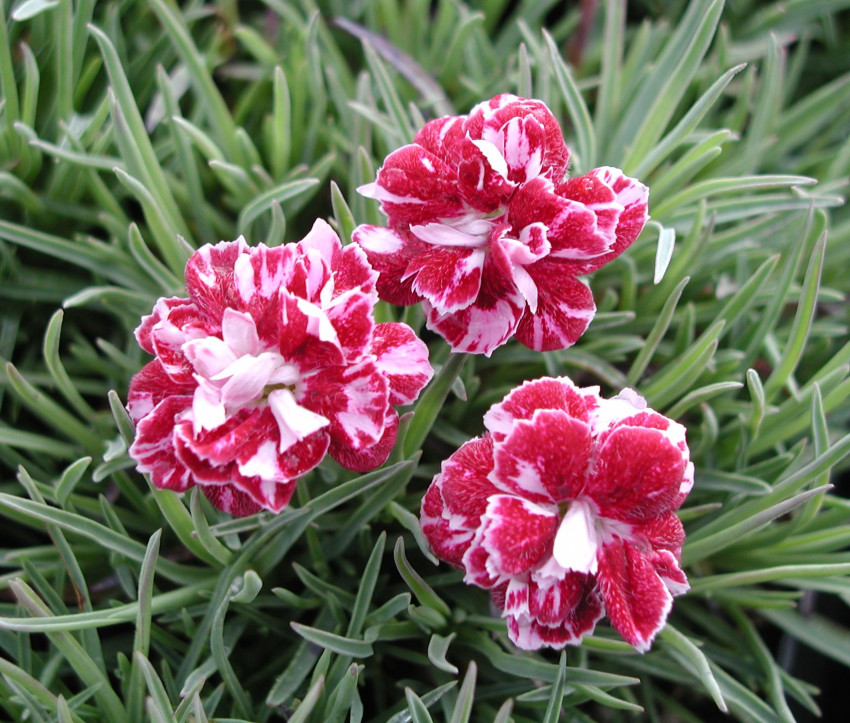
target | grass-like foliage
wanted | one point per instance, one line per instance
(132, 132)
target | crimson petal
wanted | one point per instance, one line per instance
(636, 599)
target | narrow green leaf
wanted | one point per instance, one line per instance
(466, 696)
(699, 546)
(421, 589)
(697, 659)
(556, 696)
(816, 631)
(82, 664)
(659, 329)
(802, 322)
(366, 588)
(264, 201)
(438, 646)
(418, 710)
(430, 403)
(686, 126)
(202, 530)
(209, 96)
(337, 643)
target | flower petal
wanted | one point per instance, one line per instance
(294, 422)
(547, 393)
(231, 500)
(465, 487)
(636, 599)
(449, 278)
(402, 358)
(210, 280)
(448, 542)
(389, 253)
(370, 457)
(565, 309)
(516, 534)
(486, 324)
(633, 196)
(150, 386)
(153, 447)
(355, 400)
(544, 459)
(414, 185)
(637, 475)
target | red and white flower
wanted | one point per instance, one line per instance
(565, 511)
(273, 361)
(485, 230)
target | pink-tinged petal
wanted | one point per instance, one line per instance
(402, 358)
(590, 192)
(368, 458)
(443, 137)
(555, 602)
(302, 328)
(351, 316)
(495, 115)
(482, 176)
(355, 400)
(512, 597)
(464, 482)
(510, 256)
(230, 500)
(415, 185)
(636, 599)
(485, 325)
(351, 270)
(449, 278)
(544, 459)
(209, 355)
(516, 534)
(270, 495)
(240, 332)
(294, 422)
(477, 565)
(150, 386)
(638, 473)
(447, 542)
(389, 253)
(260, 457)
(530, 633)
(260, 273)
(671, 574)
(153, 447)
(565, 309)
(633, 196)
(210, 279)
(523, 141)
(547, 393)
(168, 337)
(663, 533)
(215, 448)
(160, 312)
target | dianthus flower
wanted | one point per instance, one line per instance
(564, 510)
(273, 361)
(486, 231)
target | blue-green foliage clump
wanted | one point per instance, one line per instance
(132, 132)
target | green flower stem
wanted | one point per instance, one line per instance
(430, 403)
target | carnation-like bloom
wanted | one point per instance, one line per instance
(486, 231)
(273, 361)
(565, 511)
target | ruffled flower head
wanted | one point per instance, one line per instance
(273, 361)
(565, 511)
(486, 231)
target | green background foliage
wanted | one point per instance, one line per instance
(132, 132)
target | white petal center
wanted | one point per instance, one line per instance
(577, 539)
